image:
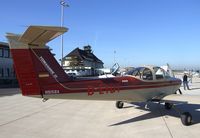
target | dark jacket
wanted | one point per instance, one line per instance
(185, 78)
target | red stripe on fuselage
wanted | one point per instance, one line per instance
(109, 84)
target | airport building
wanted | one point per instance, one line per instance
(82, 62)
(7, 73)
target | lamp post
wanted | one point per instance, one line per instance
(63, 5)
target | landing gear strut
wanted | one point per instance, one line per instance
(119, 104)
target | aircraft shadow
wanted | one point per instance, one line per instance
(158, 110)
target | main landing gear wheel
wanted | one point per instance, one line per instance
(168, 106)
(119, 104)
(186, 118)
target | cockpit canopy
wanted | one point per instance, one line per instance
(148, 73)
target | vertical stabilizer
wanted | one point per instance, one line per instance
(34, 64)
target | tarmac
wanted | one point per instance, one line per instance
(25, 117)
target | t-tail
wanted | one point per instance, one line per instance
(35, 65)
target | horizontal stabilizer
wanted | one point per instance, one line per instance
(40, 35)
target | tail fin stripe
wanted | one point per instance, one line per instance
(55, 78)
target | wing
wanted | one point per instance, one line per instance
(174, 98)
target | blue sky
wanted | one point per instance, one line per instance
(140, 31)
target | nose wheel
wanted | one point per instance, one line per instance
(119, 104)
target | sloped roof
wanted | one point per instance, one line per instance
(83, 55)
(3, 44)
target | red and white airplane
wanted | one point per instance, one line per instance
(40, 75)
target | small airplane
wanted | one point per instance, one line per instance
(40, 75)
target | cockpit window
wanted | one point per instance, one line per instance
(160, 73)
(141, 73)
(147, 74)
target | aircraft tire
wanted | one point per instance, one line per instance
(186, 118)
(119, 104)
(168, 106)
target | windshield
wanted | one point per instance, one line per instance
(134, 72)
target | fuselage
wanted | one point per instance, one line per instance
(125, 88)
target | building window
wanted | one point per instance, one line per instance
(12, 72)
(1, 52)
(1, 72)
(6, 53)
(8, 72)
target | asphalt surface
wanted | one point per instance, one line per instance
(24, 117)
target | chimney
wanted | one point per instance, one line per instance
(88, 49)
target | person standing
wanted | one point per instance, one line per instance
(185, 82)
